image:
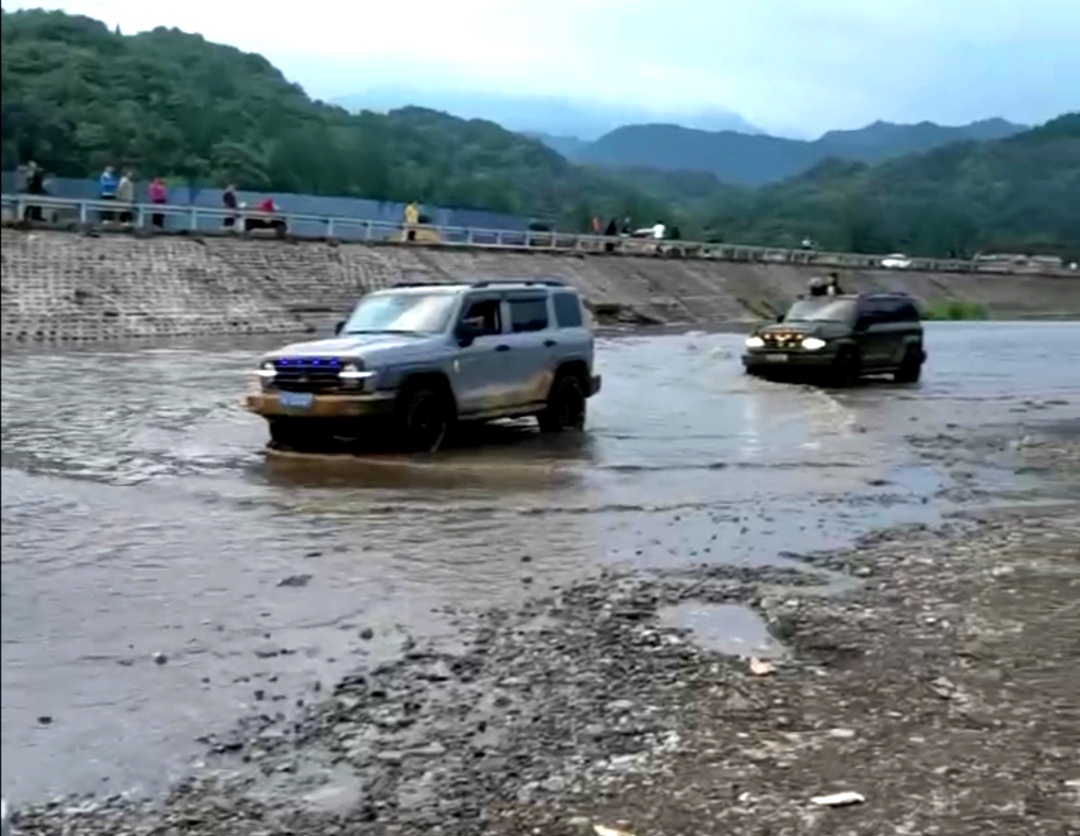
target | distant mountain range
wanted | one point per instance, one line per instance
(715, 141)
(743, 159)
(554, 117)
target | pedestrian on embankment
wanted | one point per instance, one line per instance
(107, 184)
(159, 195)
(125, 195)
(228, 200)
(35, 185)
(412, 218)
(612, 231)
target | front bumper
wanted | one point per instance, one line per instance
(594, 385)
(778, 360)
(269, 404)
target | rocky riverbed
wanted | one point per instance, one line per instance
(933, 671)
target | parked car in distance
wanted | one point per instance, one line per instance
(839, 339)
(896, 261)
(425, 356)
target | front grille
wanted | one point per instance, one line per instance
(785, 340)
(307, 374)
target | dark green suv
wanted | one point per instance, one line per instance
(838, 339)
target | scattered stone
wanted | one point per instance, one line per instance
(295, 580)
(159, 658)
(838, 799)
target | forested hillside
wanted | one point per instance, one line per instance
(1020, 194)
(76, 96)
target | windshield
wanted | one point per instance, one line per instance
(821, 310)
(406, 313)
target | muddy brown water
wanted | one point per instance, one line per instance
(142, 516)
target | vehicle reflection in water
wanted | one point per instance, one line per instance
(511, 456)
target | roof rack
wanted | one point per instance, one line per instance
(536, 282)
(485, 283)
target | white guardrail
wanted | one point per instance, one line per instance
(110, 214)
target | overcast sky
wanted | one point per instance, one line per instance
(805, 65)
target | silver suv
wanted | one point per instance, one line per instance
(425, 356)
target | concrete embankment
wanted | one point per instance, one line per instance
(66, 286)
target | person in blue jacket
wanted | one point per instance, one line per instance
(108, 184)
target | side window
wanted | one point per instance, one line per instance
(528, 315)
(870, 313)
(567, 310)
(888, 310)
(908, 312)
(485, 313)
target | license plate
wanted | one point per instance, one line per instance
(296, 400)
(776, 358)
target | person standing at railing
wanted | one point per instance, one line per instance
(612, 231)
(35, 185)
(158, 195)
(125, 195)
(228, 200)
(412, 218)
(107, 185)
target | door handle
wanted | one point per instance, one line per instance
(502, 348)
(550, 343)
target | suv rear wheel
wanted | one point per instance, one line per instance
(565, 408)
(424, 418)
(911, 367)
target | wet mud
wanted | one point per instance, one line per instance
(568, 645)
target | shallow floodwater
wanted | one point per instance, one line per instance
(142, 515)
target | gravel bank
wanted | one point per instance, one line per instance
(939, 684)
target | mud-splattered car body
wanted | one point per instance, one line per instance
(838, 339)
(427, 355)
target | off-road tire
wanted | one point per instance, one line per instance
(566, 406)
(910, 368)
(290, 434)
(846, 369)
(424, 418)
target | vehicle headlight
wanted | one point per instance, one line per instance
(354, 373)
(755, 342)
(813, 343)
(266, 369)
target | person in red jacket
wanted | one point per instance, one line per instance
(158, 195)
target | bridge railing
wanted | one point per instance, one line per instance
(206, 220)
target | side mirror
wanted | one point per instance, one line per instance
(466, 332)
(339, 327)
(779, 317)
(862, 323)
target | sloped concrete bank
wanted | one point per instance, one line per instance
(60, 286)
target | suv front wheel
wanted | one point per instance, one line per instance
(424, 417)
(565, 408)
(846, 369)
